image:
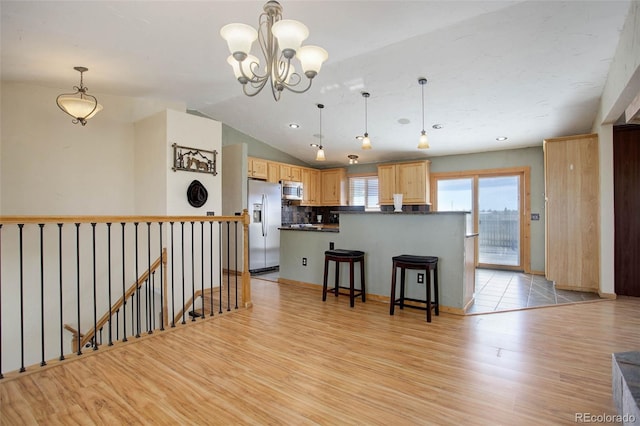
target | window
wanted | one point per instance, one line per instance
(363, 191)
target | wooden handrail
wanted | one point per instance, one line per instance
(162, 260)
(116, 219)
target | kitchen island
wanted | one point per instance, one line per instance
(382, 235)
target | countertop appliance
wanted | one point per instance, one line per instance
(264, 235)
(291, 190)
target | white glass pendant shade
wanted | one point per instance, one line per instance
(239, 38)
(250, 63)
(311, 58)
(290, 35)
(366, 142)
(423, 143)
(320, 155)
(79, 108)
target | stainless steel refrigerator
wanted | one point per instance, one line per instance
(264, 206)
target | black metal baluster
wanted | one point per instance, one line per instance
(124, 289)
(211, 266)
(228, 268)
(236, 260)
(220, 266)
(118, 324)
(22, 369)
(1, 376)
(149, 290)
(161, 282)
(153, 302)
(78, 284)
(101, 335)
(133, 314)
(60, 283)
(41, 225)
(183, 296)
(193, 278)
(173, 295)
(95, 298)
(109, 281)
(202, 267)
(137, 300)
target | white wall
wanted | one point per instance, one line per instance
(49, 166)
(623, 84)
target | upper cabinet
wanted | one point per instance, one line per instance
(257, 168)
(289, 172)
(333, 187)
(310, 187)
(273, 172)
(410, 179)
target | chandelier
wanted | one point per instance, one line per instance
(280, 41)
(80, 105)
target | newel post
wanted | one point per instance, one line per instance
(246, 277)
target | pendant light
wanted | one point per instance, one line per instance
(80, 105)
(320, 154)
(423, 143)
(366, 142)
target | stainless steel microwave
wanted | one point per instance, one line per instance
(291, 190)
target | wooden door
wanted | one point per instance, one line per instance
(626, 181)
(572, 212)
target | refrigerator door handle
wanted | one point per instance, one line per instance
(265, 216)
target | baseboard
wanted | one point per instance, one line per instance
(611, 296)
(370, 297)
(572, 288)
(541, 273)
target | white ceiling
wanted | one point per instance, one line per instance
(527, 70)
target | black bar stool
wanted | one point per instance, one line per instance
(426, 263)
(340, 256)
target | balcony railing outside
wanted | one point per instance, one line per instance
(111, 279)
(499, 237)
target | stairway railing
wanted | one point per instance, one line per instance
(57, 273)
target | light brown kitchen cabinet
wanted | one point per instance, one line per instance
(310, 187)
(572, 203)
(273, 172)
(410, 179)
(289, 172)
(257, 168)
(333, 187)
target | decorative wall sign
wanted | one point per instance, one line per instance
(194, 159)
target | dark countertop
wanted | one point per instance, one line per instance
(391, 212)
(308, 227)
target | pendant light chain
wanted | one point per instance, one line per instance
(421, 84)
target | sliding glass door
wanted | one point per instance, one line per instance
(495, 199)
(499, 220)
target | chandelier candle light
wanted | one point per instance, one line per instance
(280, 41)
(366, 142)
(80, 105)
(320, 154)
(423, 143)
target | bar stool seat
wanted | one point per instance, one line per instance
(344, 256)
(426, 263)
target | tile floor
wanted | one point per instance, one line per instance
(506, 290)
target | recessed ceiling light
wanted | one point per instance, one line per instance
(501, 138)
(359, 137)
(437, 126)
(404, 121)
(294, 125)
(314, 145)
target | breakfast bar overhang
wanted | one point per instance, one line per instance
(382, 235)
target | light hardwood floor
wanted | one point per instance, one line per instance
(292, 359)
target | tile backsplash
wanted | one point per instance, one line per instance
(292, 213)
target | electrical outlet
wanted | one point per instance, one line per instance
(420, 278)
(331, 245)
(304, 261)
